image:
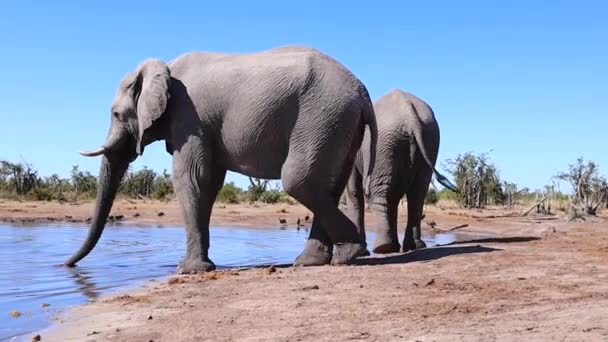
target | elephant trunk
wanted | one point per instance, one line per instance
(110, 175)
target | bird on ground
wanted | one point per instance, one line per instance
(298, 224)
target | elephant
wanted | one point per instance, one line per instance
(407, 147)
(291, 113)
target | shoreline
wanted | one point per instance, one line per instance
(503, 288)
(148, 213)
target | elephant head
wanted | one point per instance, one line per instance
(140, 102)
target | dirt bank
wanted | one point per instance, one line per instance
(150, 212)
(546, 280)
(258, 215)
(153, 212)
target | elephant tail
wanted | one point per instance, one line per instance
(419, 137)
(369, 119)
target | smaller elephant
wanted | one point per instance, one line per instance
(407, 147)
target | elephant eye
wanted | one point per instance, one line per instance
(116, 115)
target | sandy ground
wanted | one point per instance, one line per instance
(542, 279)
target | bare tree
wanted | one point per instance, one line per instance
(477, 180)
(589, 189)
(20, 177)
(139, 184)
(510, 193)
(56, 185)
(257, 187)
(83, 182)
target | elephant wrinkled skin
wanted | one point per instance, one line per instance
(406, 153)
(289, 113)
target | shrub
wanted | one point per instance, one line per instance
(477, 180)
(288, 199)
(256, 188)
(590, 190)
(447, 195)
(432, 197)
(41, 194)
(271, 196)
(163, 187)
(229, 194)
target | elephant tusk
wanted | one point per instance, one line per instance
(94, 153)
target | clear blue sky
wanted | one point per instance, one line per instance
(528, 79)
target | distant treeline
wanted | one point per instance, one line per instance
(22, 181)
(479, 184)
(477, 178)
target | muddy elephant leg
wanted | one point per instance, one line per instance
(356, 204)
(196, 187)
(415, 205)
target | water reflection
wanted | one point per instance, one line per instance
(85, 284)
(31, 257)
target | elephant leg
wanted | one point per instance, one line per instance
(196, 187)
(415, 205)
(356, 204)
(333, 237)
(387, 239)
(387, 188)
(319, 187)
(319, 248)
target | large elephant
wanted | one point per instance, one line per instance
(289, 113)
(406, 153)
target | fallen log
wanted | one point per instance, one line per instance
(534, 206)
(550, 218)
(493, 216)
(459, 226)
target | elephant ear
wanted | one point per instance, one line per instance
(155, 79)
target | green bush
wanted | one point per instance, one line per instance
(288, 199)
(163, 187)
(229, 194)
(432, 197)
(477, 179)
(42, 194)
(271, 196)
(256, 188)
(84, 183)
(447, 195)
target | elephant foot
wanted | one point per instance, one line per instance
(385, 245)
(413, 245)
(346, 252)
(315, 254)
(364, 252)
(191, 266)
(386, 248)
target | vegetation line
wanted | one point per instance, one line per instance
(477, 178)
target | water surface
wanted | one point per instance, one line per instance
(31, 257)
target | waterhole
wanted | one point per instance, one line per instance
(34, 284)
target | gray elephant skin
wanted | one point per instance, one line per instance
(290, 113)
(407, 148)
